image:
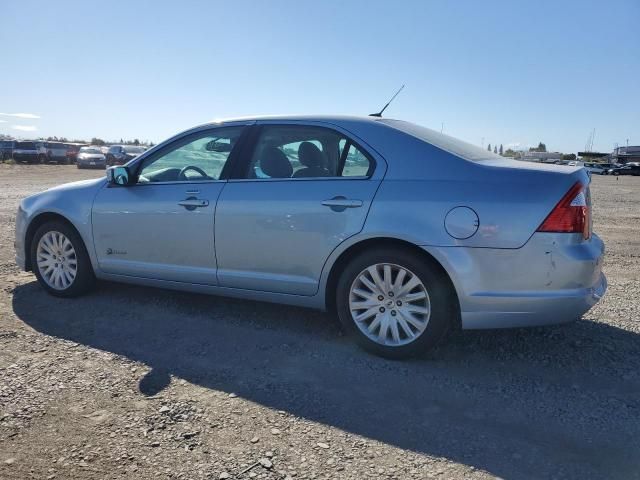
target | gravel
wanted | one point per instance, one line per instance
(131, 382)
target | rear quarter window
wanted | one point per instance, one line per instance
(444, 142)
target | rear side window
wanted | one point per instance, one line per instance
(293, 151)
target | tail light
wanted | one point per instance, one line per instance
(572, 214)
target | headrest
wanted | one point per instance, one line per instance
(275, 163)
(310, 155)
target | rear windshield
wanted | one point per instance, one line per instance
(25, 145)
(133, 149)
(90, 150)
(444, 142)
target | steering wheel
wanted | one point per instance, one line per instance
(198, 170)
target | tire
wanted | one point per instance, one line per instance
(438, 308)
(82, 281)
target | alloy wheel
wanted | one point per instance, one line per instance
(389, 304)
(57, 260)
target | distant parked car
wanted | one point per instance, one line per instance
(629, 169)
(6, 149)
(91, 157)
(56, 152)
(576, 163)
(608, 166)
(597, 168)
(30, 152)
(104, 149)
(121, 154)
(72, 152)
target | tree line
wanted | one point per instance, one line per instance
(540, 148)
(97, 141)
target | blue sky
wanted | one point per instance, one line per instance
(509, 72)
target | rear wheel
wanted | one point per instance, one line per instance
(395, 304)
(60, 260)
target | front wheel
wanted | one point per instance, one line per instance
(395, 303)
(60, 260)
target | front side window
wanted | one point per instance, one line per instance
(199, 157)
(292, 151)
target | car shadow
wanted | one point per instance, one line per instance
(557, 402)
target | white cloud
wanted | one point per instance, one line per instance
(24, 128)
(21, 115)
(3, 121)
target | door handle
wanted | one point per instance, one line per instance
(193, 203)
(339, 204)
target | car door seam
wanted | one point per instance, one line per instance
(364, 223)
(215, 224)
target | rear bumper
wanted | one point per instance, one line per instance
(554, 278)
(529, 309)
(88, 164)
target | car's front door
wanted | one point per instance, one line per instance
(303, 190)
(162, 227)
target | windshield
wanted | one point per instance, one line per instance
(90, 150)
(133, 149)
(442, 141)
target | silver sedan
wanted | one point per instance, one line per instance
(404, 232)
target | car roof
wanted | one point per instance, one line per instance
(308, 118)
(445, 142)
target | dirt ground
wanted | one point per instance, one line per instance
(133, 382)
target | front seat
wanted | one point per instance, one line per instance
(313, 160)
(275, 164)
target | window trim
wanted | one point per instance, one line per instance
(240, 170)
(185, 139)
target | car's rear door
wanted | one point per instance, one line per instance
(281, 216)
(162, 227)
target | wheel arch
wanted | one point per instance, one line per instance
(345, 257)
(36, 223)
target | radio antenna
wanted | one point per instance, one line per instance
(379, 114)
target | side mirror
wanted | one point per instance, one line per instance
(118, 176)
